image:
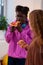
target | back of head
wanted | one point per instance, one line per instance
(36, 19)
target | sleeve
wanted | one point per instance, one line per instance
(29, 36)
(8, 34)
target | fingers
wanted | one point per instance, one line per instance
(14, 24)
(22, 44)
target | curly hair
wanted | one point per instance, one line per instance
(23, 9)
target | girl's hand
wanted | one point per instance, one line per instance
(14, 24)
(22, 44)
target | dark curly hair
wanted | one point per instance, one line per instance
(23, 9)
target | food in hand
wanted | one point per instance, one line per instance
(14, 24)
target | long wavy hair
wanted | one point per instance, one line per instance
(36, 20)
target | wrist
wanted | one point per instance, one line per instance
(26, 46)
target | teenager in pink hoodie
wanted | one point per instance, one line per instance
(16, 54)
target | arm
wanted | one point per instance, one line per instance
(27, 38)
(9, 34)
